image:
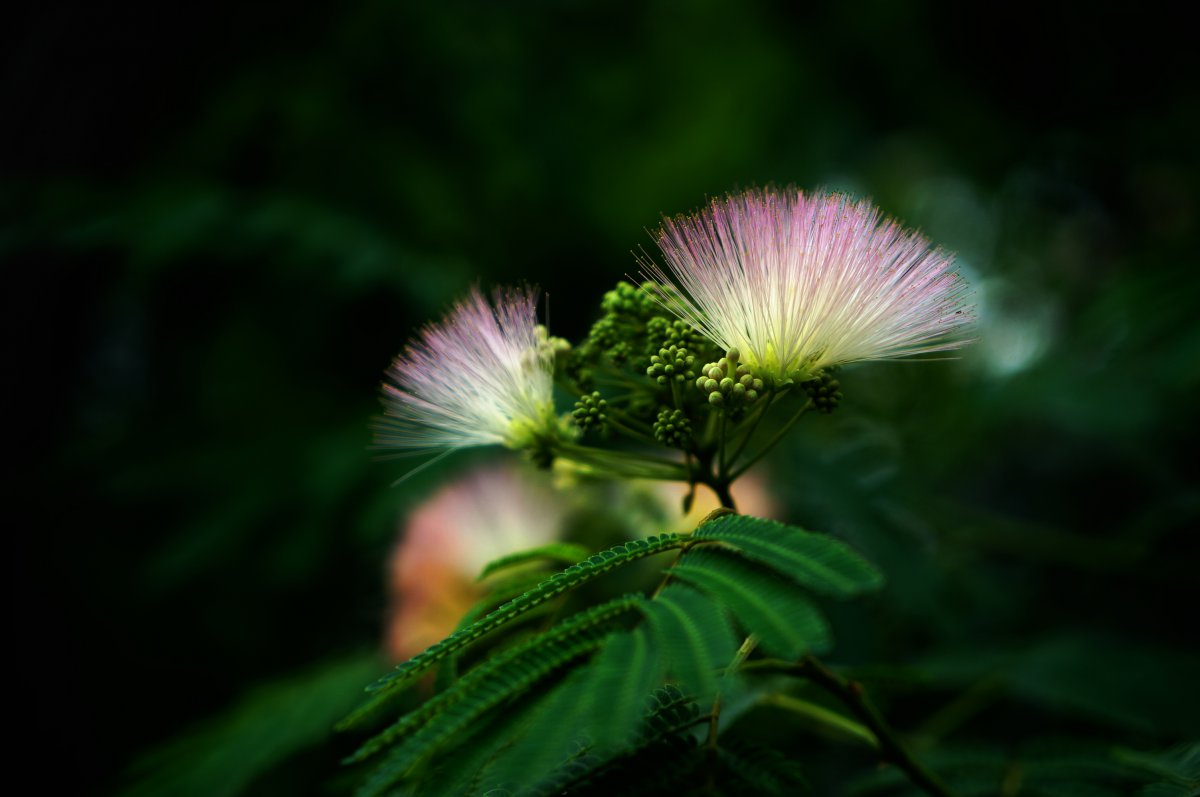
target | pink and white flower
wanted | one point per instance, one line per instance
(800, 282)
(482, 376)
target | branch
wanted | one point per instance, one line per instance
(852, 694)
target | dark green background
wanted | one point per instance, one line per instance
(221, 222)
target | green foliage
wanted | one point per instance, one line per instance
(424, 736)
(1060, 674)
(748, 770)
(763, 602)
(225, 755)
(581, 687)
(816, 561)
(599, 711)
(661, 753)
(670, 712)
(1054, 768)
(548, 650)
(1176, 772)
(692, 636)
(556, 552)
(568, 579)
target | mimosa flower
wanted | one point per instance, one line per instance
(493, 511)
(482, 376)
(798, 283)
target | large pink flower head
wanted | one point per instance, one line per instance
(800, 282)
(480, 377)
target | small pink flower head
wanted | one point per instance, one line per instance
(480, 377)
(488, 513)
(797, 283)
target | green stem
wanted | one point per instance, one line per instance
(629, 430)
(775, 438)
(724, 425)
(626, 418)
(721, 490)
(748, 646)
(854, 697)
(642, 466)
(612, 376)
(753, 427)
(823, 716)
(959, 710)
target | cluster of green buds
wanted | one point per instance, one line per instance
(671, 363)
(673, 428)
(663, 332)
(728, 384)
(617, 335)
(591, 412)
(824, 391)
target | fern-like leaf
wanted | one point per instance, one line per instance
(558, 552)
(551, 737)
(620, 678)
(763, 602)
(816, 561)
(518, 676)
(500, 590)
(753, 771)
(667, 713)
(692, 635)
(557, 584)
(493, 676)
(598, 710)
(457, 772)
(674, 764)
(596, 713)
(592, 726)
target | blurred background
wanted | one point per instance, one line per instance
(220, 223)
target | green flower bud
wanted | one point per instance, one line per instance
(824, 391)
(735, 384)
(673, 428)
(590, 412)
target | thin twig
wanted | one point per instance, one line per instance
(855, 698)
(743, 653)
(823, 716)
(783, 430)
(751, 427)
